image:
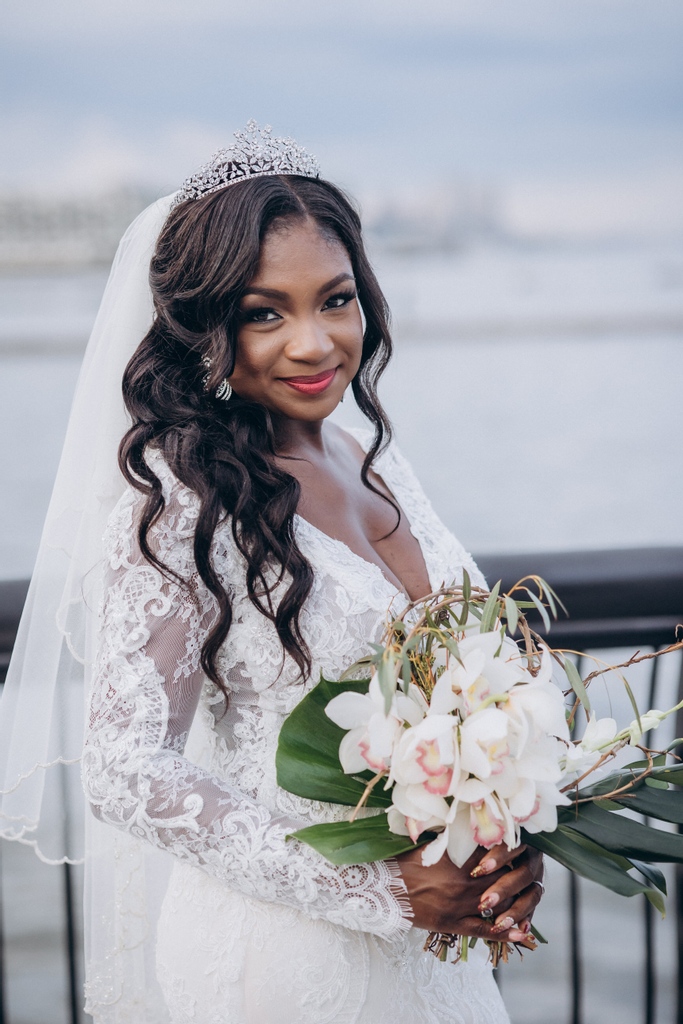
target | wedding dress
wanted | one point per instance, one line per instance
(252, 928)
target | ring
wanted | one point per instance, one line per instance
(487, 912)
(540, 884)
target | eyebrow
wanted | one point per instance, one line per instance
(274, 293)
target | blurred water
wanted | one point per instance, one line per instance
(537, 393)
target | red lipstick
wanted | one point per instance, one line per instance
(311, 384)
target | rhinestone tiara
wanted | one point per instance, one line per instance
(255, 153)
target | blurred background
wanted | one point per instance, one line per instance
(519, 166)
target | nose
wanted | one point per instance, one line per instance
(309, 341)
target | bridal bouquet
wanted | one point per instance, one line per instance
(458, 737)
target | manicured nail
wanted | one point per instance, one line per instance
(485, 868)
(489, 901)
(504, 925)
(517, 935)
(525, 927)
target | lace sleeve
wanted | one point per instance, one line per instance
(146, 689)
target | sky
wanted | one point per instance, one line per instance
(573, 109)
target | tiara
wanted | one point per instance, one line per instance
(255, 153)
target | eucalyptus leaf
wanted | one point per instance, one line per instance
(466, 585)
(490, 611)
(577, 683)
(542, 611)
(386, 677)
(511, 613)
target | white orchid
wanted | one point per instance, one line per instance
(372, 735)
(650, 720)
(599, 734)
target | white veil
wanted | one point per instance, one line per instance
(42, 706)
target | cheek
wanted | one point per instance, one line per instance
(252, 360)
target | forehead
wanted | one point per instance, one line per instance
(295, 248)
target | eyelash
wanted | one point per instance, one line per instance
(254, 315)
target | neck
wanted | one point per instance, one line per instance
(295, 436)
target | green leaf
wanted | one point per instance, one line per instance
(576, 683)
(307, 758)
(490, 611)
(357, 842)
(406, 671)
(511, 613)
(634, 704)
(540, 608)
(386, 677)
(537, 935)
(466, 586)
(656, 783)
(623, 835)
(550, 598)
(652, 874)
(665, 804)
(561, 845)
(553, 593)
(623, 862)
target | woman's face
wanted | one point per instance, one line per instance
(300, 337)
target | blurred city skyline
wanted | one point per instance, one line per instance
(571, 115)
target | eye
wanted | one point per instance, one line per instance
(339, 300)
(261, 315)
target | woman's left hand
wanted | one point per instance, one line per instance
(523, 884)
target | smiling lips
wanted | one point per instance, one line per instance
(313, 384)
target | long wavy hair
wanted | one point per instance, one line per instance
(206, 255)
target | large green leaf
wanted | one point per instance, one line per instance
(357, 842)
(307, 759)
(563, 847)
(623, 835)
(665, 804)
(650, 796)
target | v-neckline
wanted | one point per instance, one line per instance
(366, 561)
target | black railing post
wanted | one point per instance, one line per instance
(74, 1000)
(576, 966)
(3, 1003)
(650, 1004)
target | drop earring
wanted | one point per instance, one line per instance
(224, 390)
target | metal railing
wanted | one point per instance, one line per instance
(625, 599)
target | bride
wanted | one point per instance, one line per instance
(249, 546)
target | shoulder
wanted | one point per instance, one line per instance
(171, 535)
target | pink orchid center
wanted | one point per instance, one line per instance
(377, 764)
(429, 758)
(487, 830)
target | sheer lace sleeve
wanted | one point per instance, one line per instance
(146, 690)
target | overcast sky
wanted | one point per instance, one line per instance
(554, 91)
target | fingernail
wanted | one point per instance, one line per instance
(489, 901)
(525, 927)
(504, 925)
(485, 868)
(516, 935)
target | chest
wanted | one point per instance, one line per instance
(370, 521)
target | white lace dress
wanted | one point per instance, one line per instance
(255, 928)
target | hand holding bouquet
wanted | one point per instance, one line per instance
(461, 738)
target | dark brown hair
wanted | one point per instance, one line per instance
(206, 255)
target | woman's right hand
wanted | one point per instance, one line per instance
(449, 899)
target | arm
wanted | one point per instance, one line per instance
(146, 688)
